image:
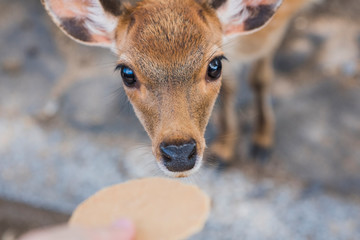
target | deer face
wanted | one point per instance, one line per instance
(170, 60)
(174, 58)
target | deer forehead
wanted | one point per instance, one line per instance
(169, 41)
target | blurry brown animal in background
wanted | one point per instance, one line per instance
(170, 55)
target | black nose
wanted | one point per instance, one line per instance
(179, 157)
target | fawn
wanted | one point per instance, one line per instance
(170, 58)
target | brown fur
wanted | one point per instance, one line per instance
(169, 44)
(170, 57)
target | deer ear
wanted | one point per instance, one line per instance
(91, 22)
(244, 16)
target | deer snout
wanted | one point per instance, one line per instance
(178, 157)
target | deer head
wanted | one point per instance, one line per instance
(170, 59)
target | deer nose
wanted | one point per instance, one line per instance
(178, 157)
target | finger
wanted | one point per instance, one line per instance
(121, 230)
(55, 233)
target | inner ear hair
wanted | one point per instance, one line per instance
(75, 28)
(216, 3)
(258, 16)
(112, 6)
(90, 22)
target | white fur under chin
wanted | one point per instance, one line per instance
(196, 168)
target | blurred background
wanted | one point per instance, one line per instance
(50, 163)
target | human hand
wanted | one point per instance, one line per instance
(120, 230)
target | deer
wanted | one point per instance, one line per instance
(172, 57)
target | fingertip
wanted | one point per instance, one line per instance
(124, 228)
(123, 224)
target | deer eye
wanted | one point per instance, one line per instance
(127, 75)
(214, 68)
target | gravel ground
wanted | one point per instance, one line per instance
(309, 190)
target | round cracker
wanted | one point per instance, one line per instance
(160, 208)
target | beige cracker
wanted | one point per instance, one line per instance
(160, 208)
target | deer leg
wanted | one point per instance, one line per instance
(224, 146)
(260, 81)
(52, 104)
